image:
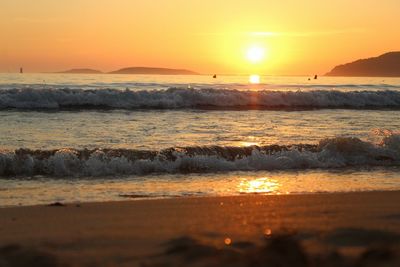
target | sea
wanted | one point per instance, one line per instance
(84, 138)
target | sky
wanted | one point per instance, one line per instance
(208, 36)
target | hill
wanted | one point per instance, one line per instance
(81, 71)
(148, 70)
(386, 65)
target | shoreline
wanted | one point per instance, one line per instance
(128, 233)
(136, 198)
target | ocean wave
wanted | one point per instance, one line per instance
(183, 98)
(340, 152)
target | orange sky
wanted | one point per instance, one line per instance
(208, 36)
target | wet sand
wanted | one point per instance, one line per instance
(197, 231)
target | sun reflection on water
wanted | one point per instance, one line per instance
(248, 143)
(259, 185)
(254, 79)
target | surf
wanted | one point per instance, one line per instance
(183, 98)
(333, 153)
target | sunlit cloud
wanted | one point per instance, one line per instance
(29, 20)
(266, 34)
(288, 34)
(307, 33)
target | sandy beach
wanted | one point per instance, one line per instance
(139, 233)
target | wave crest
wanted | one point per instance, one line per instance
(338, 152)
(178, 98)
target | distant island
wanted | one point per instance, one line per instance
(134, 70)
(81, 71)
(386, 65)
(148, 70)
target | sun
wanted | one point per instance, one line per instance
(255, 54)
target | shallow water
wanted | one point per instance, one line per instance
(45, 190)
(162, 129)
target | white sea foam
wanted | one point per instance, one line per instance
(329, 153)
(177, 98)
